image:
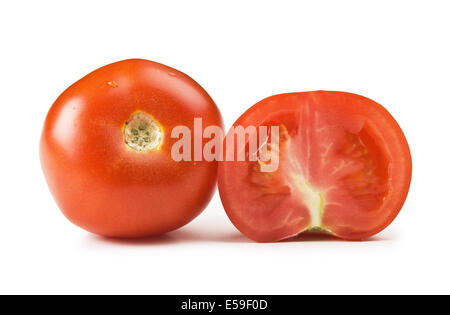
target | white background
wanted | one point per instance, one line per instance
(395, 52)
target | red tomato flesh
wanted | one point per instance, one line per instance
(344, 169)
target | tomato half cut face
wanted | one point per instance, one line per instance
(344, 168)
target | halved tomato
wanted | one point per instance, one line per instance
(344, 168)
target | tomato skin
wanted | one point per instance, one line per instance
(348, 214)
(102, 185)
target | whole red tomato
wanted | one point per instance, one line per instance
(106, 150)
(343, 167)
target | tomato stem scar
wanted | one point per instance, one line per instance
(142, 133)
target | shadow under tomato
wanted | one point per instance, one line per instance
(175, 237)
(190, 236)
(152, 240)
